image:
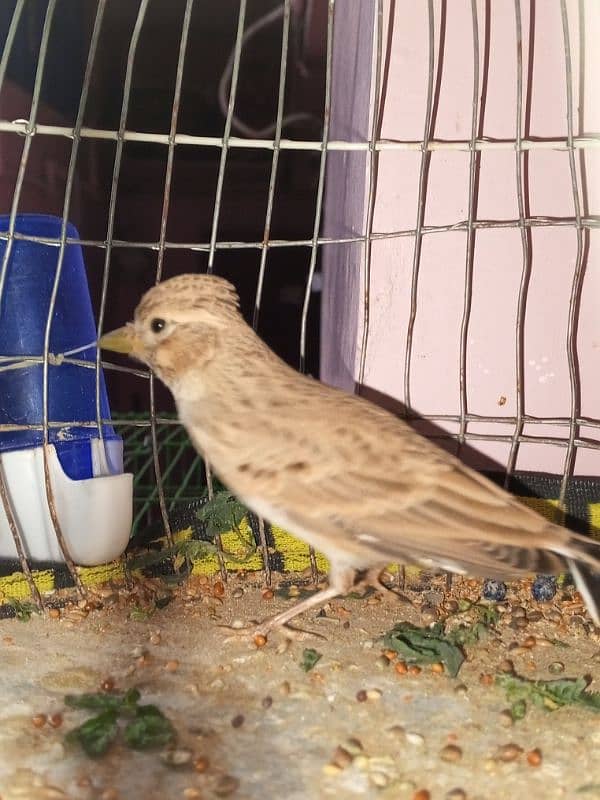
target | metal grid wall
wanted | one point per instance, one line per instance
(158, 426)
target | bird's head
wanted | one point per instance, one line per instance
(178, 323)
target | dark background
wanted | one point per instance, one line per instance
(142, 174)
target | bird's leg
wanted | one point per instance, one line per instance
(340, 582)
(373, 578)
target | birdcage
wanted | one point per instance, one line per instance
(447, 204)
(405, 194)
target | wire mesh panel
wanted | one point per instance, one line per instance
(208, 190)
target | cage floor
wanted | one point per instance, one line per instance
(252, 724)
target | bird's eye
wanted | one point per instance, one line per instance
(157, 324)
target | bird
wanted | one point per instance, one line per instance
(344, 475)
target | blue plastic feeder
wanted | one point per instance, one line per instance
(82, 460)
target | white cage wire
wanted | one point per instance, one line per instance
(371, 146)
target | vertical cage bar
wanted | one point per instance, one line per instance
(237, 54)
(317, 221)
(422, 196)
(320, 186)
(187, 16)
(267, 230)
(474, 159)
(10, 38)
(526, 252)
(578, 274)
(59, 265)
(373, 165)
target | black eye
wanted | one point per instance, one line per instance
(157, 324)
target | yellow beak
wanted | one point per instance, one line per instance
(121, 340)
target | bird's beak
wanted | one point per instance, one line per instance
(121, 340)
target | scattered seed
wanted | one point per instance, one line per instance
(226, 785)
(397, 731)
(201, 764)
(461, 688)
(451, 753)
(456, 794)
(39, 720)
(54, 613)
(191, 793)
(509, 752)
(341, 757)
(284, 687)
(382, 662)
(438, 668)
(391, 655)
(400, 667)
(530, 642)
(451, 606)
(519, 623)
(267, 701)
(155, 638)
(379, 779)
(172, 666)
(267, 594)
(55, 720)
(428, 614)
(518, 611)
(218, 589)
(534, 757)
(259, 640)
(293, 591)
(414, 670)
(237, 592)
(176, 758)
(421, 794)
(331, 769)
(361, 762)
(361, 696)
(534, 616)
(108, 684)
(556, 667)
(237, 721)
(507, 666)
(374, 694)
(506, 718)
(354, 746)
(110, 794)
(486, 679)
(415, 739)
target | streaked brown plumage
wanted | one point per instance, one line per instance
(344, 475)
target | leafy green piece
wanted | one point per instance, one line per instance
(221, 513)
(105, 701)
(96, 734)
(549, 695)
(23, 608)
(150, 728)
(310, 657)
(518, 709)
(425, 645)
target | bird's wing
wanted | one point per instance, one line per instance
(364, 479)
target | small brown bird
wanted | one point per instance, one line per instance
(349, 478)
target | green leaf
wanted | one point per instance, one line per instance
(150, 728)
(549, 695)
(23, 609)
(221, 514)
(96, 734)
(518, 709)
(310, 657)
(424, 646)
(104, 701)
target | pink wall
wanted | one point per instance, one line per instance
(498, 259)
